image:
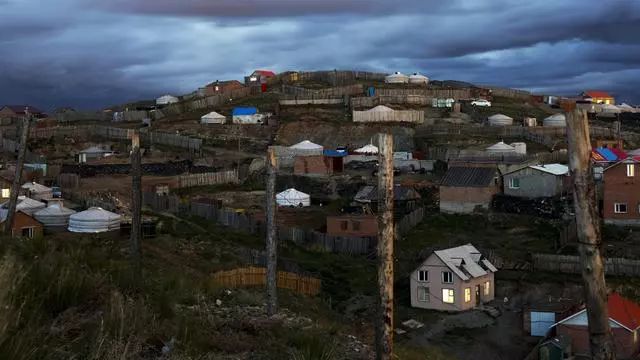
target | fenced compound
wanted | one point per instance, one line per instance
(210, 178)
(456, 94)
(293, 92)
(340, 77)
(411, 116)
(571, 265)
(181, 141)
(257, 276)
(72, 116)
(507, 92)
(130, 115)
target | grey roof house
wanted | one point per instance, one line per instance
(455, 279)
(466, 189)
(538, 181)
(405, 199)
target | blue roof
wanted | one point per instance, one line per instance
(607, 154)
(244, 110)
(335, 153)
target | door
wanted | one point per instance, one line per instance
(477, 295)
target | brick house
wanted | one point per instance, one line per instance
(258, 77)
(621, 193)
(352, 225)
(467, 189)
(624, 320)
(455, 279)
(23, 225)
(220, 87)
(314, 164)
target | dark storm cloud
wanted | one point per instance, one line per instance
(92, 54)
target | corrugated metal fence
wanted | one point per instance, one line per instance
(571, 265)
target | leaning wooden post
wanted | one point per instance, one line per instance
(589, 237)
(386, 236)
(17, 180)
(272, 241)
(136, 205)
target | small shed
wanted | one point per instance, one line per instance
(500, 120)
(166, 100)
(24, 225)
(293, 198)
(247, 115)
(37, 191)
(555, 120)
(396, 78)
(93, 152)
(94, 220)
(213, 118)
(466, 189)
(557, 348)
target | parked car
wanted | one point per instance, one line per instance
(481, 102)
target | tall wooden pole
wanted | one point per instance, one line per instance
(17, 180)
(589, 237)
(136, 205)
(272, 241)
(386, 236)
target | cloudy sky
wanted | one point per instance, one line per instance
(92, 54)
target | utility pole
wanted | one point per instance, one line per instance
(17, 180)
(272, 241)
(589, 236)
(386, 237)
(136, 205)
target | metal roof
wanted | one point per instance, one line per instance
(554, 169)
(369, 193)
(244, 110)
(469, 176)
(465, 261)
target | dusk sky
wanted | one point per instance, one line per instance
(92, 54)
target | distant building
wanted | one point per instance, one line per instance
(621, 193)
(220, 87)
(248, 115)
(599, 97)
(352, 225)
(258, 77)
(23, 225)
(624, 320)
(16, 111)
(467, 189)
(537, 181)
(167, 100)
(405, 199)
(455, 279)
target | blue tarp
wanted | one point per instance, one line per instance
(335, 153)
(607, 154)
(244, 110)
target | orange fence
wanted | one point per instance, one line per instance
(257, 276)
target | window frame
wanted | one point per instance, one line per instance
(512, 181)
(450, 277)
(487, 288)
(467, 295)
(423, 290)
(7, 191)
(449, 297)
(631, 170)
(423, 275)
(617, 208)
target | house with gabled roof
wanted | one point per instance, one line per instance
(258, 77)
(599, 97)
(455, 279)
(535, 181)
(624, 320)
(466, 189)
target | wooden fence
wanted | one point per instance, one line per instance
(210, 178)
(69, 181)
(305, 101)
(257, 276)
(370, 101)
(411, 116)
(571, 265)
(507, 92)
(334, 92)
(340, 77)
(409, 221)
(456, 94)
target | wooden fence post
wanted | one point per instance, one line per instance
(15, 187)
(590, 241)
(386, 237)
(272, 241)
(136, 206)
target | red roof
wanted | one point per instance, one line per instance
(266, 73)
(624, 311)
(597, 94)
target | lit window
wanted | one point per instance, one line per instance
(448, 296)
(217, 88)
(447, 277)
(631, 170)
(620, 208)
(514, 183)
(487, 288)
(423, 275)
(423, 294)
(467, 295)
(6, 193)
